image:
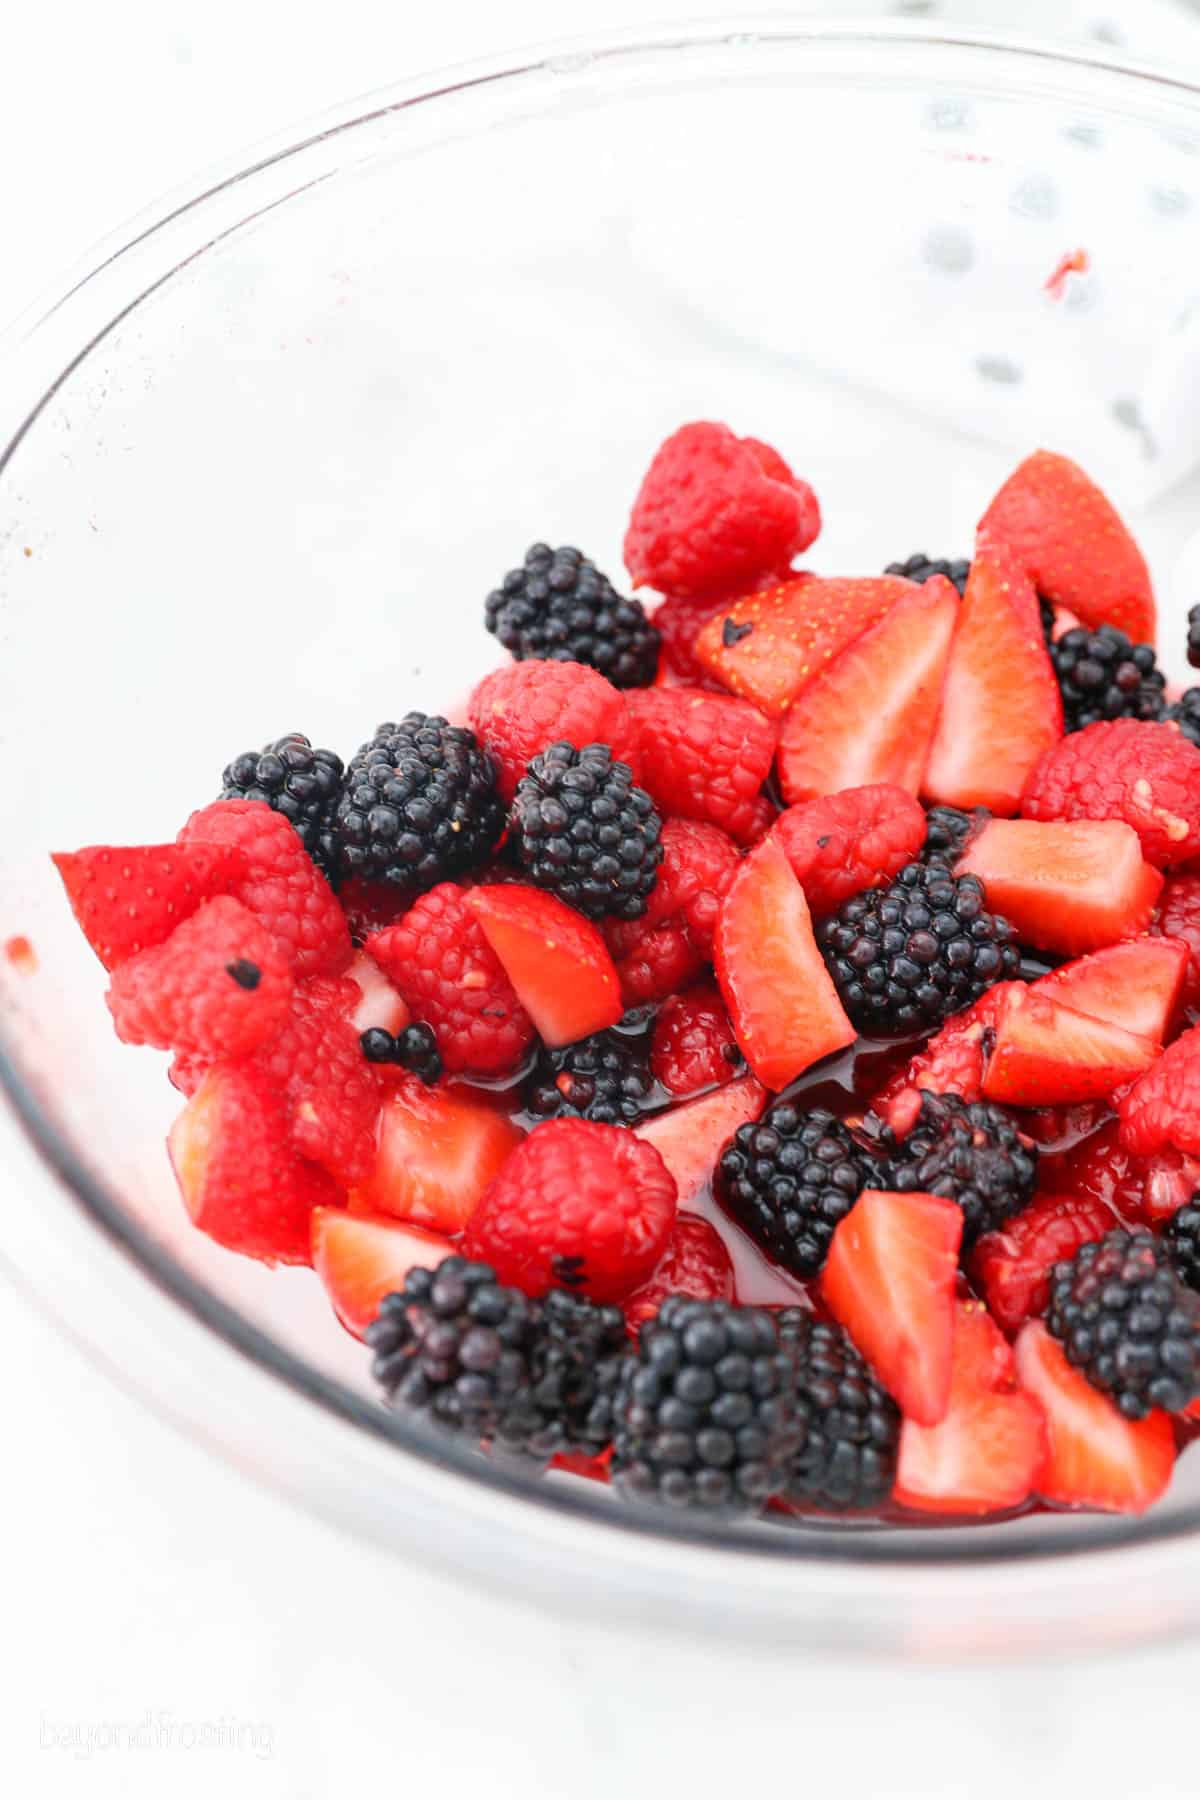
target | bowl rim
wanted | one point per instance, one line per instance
(93, 1198)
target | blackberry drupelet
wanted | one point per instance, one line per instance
(415, 1049)
(1046, 613)
(789, 1178)
(1127, 1321)
(1186, 713)
(850, 1425)
(904, 957)
(559, 606)
(419, 805)
(705, 1412)
(972, 1154)
(1181, 1240)
(1193, 636)
(923, 568)
(578, 1352)
(605, 1078)
(583, 830)
(1103, 675)
(303, 784)
(948, 831)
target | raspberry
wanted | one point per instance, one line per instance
(518, 710)
(714, 512)
(922, 568)
(1012, 1266)
(699, 862)
(1178, 916)
(1144, 774)
(951, 1062)
(1127, 1321)
(440, 961)
(704, 756)
(1163, 1105)
(693, 1045)
(695, 1263)
(577, 1205)
(303, 784)
(283, 887)
(130, 900)
(332, 1093)
(679, 622)
(220, 985)
(843, 843)
(652, 962)
(582, 829)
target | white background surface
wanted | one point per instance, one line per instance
(141, 1582)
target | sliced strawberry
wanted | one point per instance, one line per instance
(556, 959)
(691, 1137)
(889, 1279)
(1136, 985)
(380, 1007)
(1095, 1457)
(1044, 1054)
(768, 646)
(781, 999)
(437, 1152)
(1066, 886)
(988, 1451)
(131, 900)
(1001, 705)
(1073, 544)
(360, 1259)
(1011, 1267)
(870, 716)
(950, 1063)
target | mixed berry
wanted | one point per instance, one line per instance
(754, 1059)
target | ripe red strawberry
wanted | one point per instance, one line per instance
(241, 1181)
(1145, 774)
(691, 1137)
(577, 1205)
(1144, 1189)
(870, 715)
(438, 1148)
(714, 512)
(652, 963)
(1065, 887)
(693, 1045)
(556, 960)
(1095, 1457)
(1164, 1106)
(769, 646)
(695, 1262)
(889, 1279)
(950, 1063)
(1135, 985)
(704, 756)
(781, 998)
(698, 865)
(1043, 1054)
(451, 978)
(130, 900)
(519, 709)
(842, 844)
(1001, 706)
(284, 887)
(1073, 545)
(1178, 917)
(219, 986)
(360, 1259)
(988, 1451)
(1011, 1267)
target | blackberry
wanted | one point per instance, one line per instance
(789, 1178)
(1193, 636)
(419, 805)
(1181, 1240)
(1103, 675)
(303, 784)
(948, 832)
(559, 606)
(1186, 714)
(705, 1412)
(850, 1425)
(415, 1049)
(904, 957)
(604, 1078)
(923, 568)
(1127, 1321)
(576, 1359)
(971, 1154)
(582, 829)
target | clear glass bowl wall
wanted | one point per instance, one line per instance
(264, 461)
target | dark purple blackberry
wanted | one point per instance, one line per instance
(1103, 675)
(1127, 1321)
(705, 1412)
(419, 805)
(583, 830)
(923, 568)
(1193, 636)
(415, 1049)
(576, 1360)
(1186, 714)
(789, 1178)
(605, 1078)
(948, 832)
(905, 957)
(303, 784)
(972, 1154)
(558, 605)
(849, 1423)
(1181, 1239)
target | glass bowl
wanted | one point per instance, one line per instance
(263, 460)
